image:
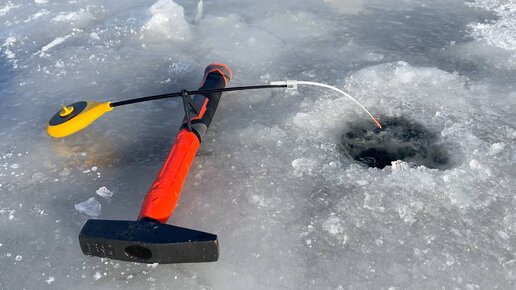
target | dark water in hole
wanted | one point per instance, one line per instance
(399, 139)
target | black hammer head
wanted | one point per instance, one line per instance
(147, 242)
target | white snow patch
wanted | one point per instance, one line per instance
(90, 207)
(104, 192)
(41, 1)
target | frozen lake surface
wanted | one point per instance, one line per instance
(291, 208)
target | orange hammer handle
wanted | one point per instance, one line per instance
(163, 196)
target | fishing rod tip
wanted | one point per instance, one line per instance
(377, 123)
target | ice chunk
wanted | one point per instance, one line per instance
(50, 280)
(104, 192)
(97, 276)
(54, 43)
(90, 207)
(167, 19)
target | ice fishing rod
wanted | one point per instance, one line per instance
(191, 93)
(149, 239)
(77, 116)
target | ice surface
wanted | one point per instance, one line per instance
(290, 211)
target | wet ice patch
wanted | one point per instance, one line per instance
(259, 45)
(167, 19)
(347, 6)
(90, 207)
(297, 25)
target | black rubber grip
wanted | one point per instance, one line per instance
(216, 76)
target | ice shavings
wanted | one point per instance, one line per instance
(501, 32)
(90, 207)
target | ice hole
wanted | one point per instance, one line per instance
(399, 139)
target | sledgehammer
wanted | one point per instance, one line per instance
(149, 239)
